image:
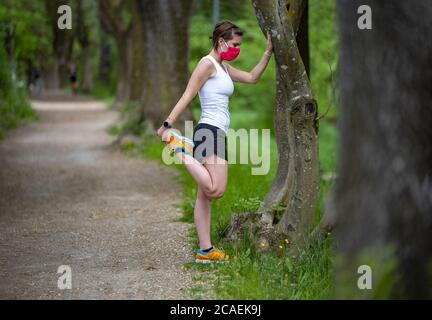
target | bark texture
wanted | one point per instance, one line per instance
(383, 194)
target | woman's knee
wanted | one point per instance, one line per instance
(203, 193)
(218, 194)
(215, 193)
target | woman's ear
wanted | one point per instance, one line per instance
(218, 48)
(221, 43)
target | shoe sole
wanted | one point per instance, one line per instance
(210, 261)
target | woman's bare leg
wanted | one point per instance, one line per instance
(202, 217)
(218, 169)
(216, 173)
(202, 211)
(198, 171)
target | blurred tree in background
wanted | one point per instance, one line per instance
(55, 68)
(116, 20)
(152, 38)
(87, 32)
(383, 196)
(23, 41)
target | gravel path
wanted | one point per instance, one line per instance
(67, 197)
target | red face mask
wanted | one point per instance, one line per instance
(230, 54)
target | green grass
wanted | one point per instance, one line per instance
(15, 112)
(253, 275)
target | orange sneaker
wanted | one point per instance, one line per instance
(178, 143)
(214, 255)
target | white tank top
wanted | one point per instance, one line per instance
(214, 97)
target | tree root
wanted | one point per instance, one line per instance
(248, 225)
(266, 237)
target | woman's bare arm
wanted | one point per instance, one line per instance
(249, 77)
(255, 74)
(199, 76)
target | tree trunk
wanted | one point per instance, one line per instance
(125, 49)
(163, 60)
(83, 35)
(50, 74)
(105, 57)
(383, 199)
(296, 184)
(87, 70)
(9, 41)
(62, 47)
(153, 56)
(113, 16)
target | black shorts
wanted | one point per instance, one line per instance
(208, 140)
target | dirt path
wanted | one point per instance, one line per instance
(67, 197)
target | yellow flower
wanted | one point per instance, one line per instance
(280, 247)
(286, 241)
(263, 244)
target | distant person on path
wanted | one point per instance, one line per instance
(73, 78)
(206, 156)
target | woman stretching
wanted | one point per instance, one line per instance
(206, 156)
